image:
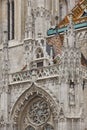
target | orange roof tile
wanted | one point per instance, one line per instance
(77, 12)
(57, 42)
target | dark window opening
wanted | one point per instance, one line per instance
(8, 20)
(39, 53)
(12, 19)
(39, 64)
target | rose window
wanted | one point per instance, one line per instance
(39, 112)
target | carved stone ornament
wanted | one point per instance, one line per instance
(39, 112)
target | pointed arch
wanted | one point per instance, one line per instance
(29, 95)
(39, 53)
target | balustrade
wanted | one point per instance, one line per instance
(41, 73)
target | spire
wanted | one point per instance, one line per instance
(71, 33)
(42, 17)
(29, 2)
(71, 54)
(51, 54)
(65, 40)
(29, 8)
(29, 21)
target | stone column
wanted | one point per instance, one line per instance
(56, 124)
(72, 125)
(6, 127)
(5, 81)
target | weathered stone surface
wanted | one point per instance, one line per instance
(54, 94)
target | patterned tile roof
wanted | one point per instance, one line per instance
(56, 41)
(77, 12)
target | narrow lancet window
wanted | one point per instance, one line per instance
(10, 20)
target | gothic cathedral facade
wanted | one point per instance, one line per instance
(43, 65)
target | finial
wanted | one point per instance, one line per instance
(65, 40)
(5, 33)
(71, 32)
(71, 18)
(29, 8)
(29, 2)
(29, 21)
(51, 54)
(5, 39)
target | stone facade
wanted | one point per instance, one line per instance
(35, 93)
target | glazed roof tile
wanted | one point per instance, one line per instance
(79, 13)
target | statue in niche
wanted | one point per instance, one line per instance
(72, 94)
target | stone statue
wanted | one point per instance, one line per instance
(72, 94)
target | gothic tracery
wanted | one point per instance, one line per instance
(35, 92)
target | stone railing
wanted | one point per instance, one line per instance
(46, 72)
(20, 76)
(39, 73)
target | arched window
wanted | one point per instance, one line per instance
(39, 53)
(10, 19)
